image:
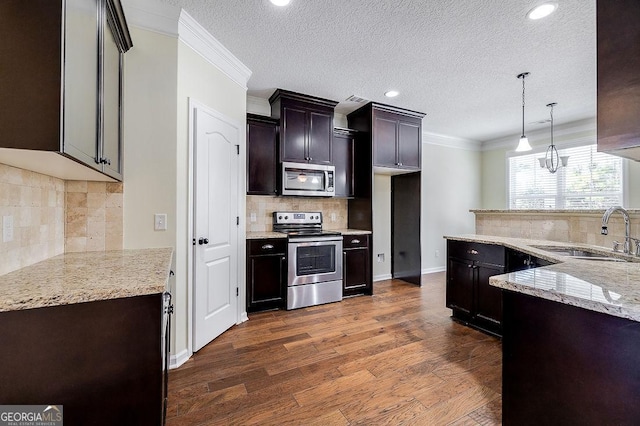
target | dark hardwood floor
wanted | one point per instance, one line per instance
(392, 358)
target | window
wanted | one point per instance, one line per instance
(591, 180)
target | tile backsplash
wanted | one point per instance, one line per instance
(52, 216)
(93, 216)
(579, 227)
(263, 207)
(35, 202)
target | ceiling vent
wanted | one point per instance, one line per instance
(356, 99)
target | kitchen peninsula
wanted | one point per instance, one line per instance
(85, 331)
(570, 335)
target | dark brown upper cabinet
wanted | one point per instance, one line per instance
(618, 83)
(343, 148)
(61, 74)
(262, 155)
(396, 136)
(306, 127)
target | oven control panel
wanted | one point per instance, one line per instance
(297, 218)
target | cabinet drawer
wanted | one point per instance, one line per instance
(354, 241)
(486, 253)
(267, 246)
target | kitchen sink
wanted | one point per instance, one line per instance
(579, 253)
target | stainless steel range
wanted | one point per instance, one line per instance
(315, 259)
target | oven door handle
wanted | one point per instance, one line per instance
(314, 239)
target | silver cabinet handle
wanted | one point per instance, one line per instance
(472, 251)
(267, 247)
(356, 241)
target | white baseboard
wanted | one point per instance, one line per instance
(178, 359)
(382, 277)
(243, 317)
(434, 270)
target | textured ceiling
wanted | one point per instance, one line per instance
(456, 61)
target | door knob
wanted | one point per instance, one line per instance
(202, 241)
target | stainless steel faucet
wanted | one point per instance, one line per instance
(627, 236)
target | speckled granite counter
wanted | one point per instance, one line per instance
(264, 235)
(267, 234)
(86, 277)
(351, 231)
(608, 287)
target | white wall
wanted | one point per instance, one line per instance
(450, 188)
(161, 73)
(494, 161)
(381, 227)
(202, 81)
(149, 139)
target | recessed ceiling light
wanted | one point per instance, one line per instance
(280, 2)
(542, 10)
(391, 94)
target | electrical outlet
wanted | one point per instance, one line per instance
(7, 229)
(380, 257)
(333, 217)
(160, 222)
(253, 217)
(437, 253)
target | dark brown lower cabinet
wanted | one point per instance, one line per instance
(469, 294)
(100, 360)
(564, 365)
(266, 274)
(356, 265)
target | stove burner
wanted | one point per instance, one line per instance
(300, 224)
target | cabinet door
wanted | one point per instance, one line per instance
(262, 158)
(112, 95)
(266, 281)
(460, 275)
(409, 145)
(293, 146)
(343, 144)
(618, 67)
(320, 140)
(488, 298)
(356, 270)
(80, 81)
(384, 142)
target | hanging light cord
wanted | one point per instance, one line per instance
(552, 159)
(551, 106)
(523, 76)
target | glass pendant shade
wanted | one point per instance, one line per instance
(523, 145)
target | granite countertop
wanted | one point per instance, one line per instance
(608, 287)
(259, 235)
(86, 277)
(270, 234)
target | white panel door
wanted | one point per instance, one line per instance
(215, 304)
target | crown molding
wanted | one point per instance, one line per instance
(541, 137)
(256, 105)
(450, 141)
(153, 16)
(194, 35)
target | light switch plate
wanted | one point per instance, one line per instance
(253, 217)
(7, 229)
(160, 222)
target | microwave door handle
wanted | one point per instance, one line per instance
(326, 180)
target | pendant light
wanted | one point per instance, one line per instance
(523, 145)
(552, 161)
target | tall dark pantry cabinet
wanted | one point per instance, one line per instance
(389, 142)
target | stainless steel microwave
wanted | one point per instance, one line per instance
(312, 180)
